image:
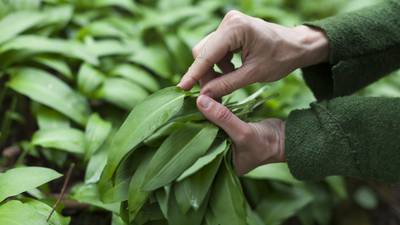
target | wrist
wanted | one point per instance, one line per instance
(315, 45)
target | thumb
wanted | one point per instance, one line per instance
(221, 116)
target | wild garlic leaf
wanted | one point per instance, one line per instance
(18, 180)
(227, 204)
(39, 44)
(45, 210)
(179, 151)
(274, 171)
(143, 120)
(96, 133)
(191, 191)
(17, 22)
(137, 197)
(214, 152)
(48, 118)
(192, 217)
(44, 88)
(68, 139)
(89, 79)
(16, 212)
(121, 92)
(89, 194)
(56, 64)
(137, 75)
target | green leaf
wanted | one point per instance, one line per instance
(89, 194)
(45, 210)
(203, 161)
(143, 120)
(15, 212)
(179, 151)
(39, 44)
(97, 131)
(50, 91)
(95, 167)
(279, 206)
(227, 205)
(18, 180)
(121, 92)
(192, 217)
(137, 197)
(17, 22)
(155, 58)
(89, 79)
(56, 64)
(191, 192)
(49, 119)
(137, 75)
(273, 171)
(67, 139)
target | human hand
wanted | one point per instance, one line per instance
(254, 144)
(269, 52)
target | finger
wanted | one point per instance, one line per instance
(196, 50)
(225, 65)
(215, 48)
(222, 117)
(208, 77)
(227, 83)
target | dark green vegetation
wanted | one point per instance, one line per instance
(72, 71)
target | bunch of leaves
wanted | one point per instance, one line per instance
(168, 163)
(70, 71)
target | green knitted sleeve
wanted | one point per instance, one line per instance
(350, 136)
(364, 46)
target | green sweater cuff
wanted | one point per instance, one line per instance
(364, 46)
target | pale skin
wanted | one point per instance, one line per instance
(269, 53)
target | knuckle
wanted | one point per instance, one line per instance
(231, 13)
(244, 136)
(225, 86)
(223, 114)
(195, 51)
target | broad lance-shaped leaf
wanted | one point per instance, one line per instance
(44, 88)
(97, 131)
(67, 139)
(89, 194)
(203, 161)
(48, 118)
(179, 151)
(191, 192)
(89, 79)
(121, 92)
(137, 75)
(39, 44)
(45, 210)
(274, 171)
(143, 120)
(56, 64)
(18, 213)
(18, 180)
(227, 204)
(137, 197)
(17, 22)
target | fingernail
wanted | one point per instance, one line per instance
(204, 101)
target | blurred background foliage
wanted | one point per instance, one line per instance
(70, 67)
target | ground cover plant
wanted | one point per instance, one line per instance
(90, 121)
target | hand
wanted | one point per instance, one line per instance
(269, 52)
(254, 144)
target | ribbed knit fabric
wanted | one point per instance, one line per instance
(350, 136)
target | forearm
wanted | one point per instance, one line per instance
(363, 46)
(350, 136)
